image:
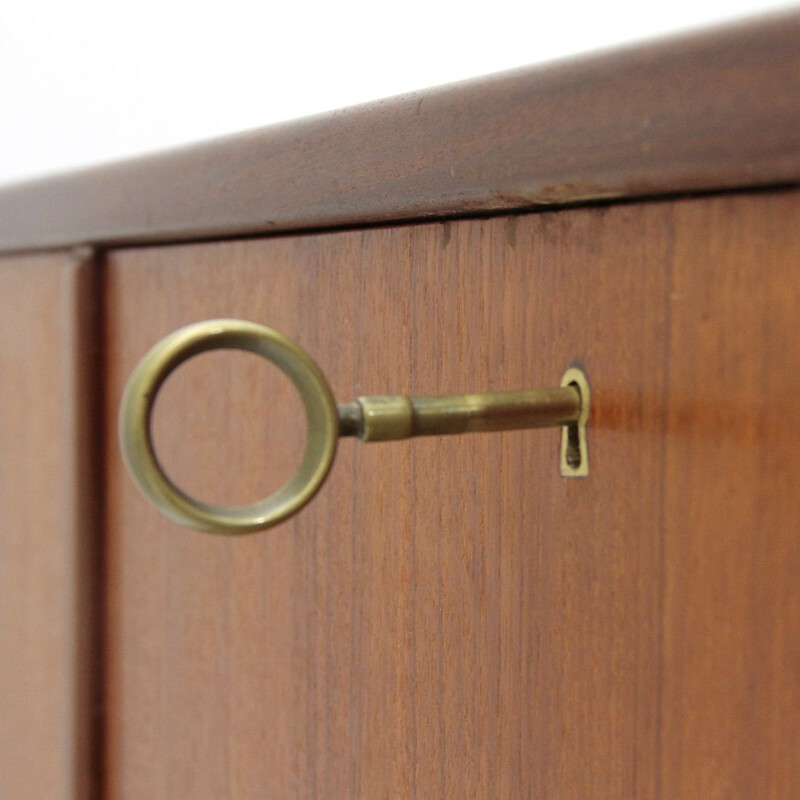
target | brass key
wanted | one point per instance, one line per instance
(371, 419)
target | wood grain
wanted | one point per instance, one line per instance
(698, 112)
(731, 602)
(449, 618)
(49, 671)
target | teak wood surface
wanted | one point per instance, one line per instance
(49, 547)
(699, 112)
(450, 618)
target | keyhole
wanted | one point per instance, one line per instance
(574, 449)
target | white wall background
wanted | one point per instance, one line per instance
(86, 81)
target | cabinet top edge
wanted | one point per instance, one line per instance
(709, 111)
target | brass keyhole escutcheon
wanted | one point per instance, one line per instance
(574, 462)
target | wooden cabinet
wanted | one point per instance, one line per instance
(449, 617)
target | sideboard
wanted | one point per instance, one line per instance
(449, 616)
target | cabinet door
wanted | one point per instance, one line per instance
(449, 617)
(49, 699)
